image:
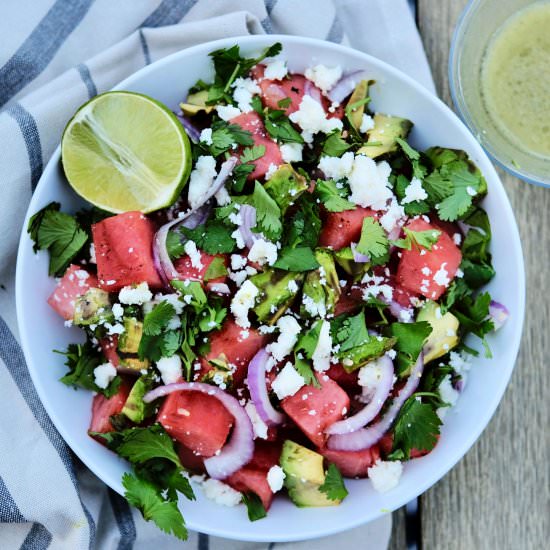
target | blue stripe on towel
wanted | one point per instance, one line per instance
(9, 512)
(12, 355)
(87, 79)
(36, 52)
(29, 129)
(124, 519)
(204, 542)
(169, 12)
(269, 5)
(144, 47)
(38, 538)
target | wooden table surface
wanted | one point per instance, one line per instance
(498, 496)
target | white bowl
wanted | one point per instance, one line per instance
(42, 330)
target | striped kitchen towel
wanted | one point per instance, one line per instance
(54, 55)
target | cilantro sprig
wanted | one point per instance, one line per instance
(373, 242)
(333, 486)
(421, 239)
(333, 198)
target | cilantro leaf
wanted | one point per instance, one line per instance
(213, 237)
(306, 347)
(333, 486)
(303, 368)
(422, 239)
(416, 427)
(419, 170)
(350, 331)
(59, 233)
(174, 245)
(254, 506)
(334, 145)
(373, 242)
(143, 444)
(148, 500)
(280, 128)
(81, 361)
(225, 136)
(284, 103)
(170, 342)
(158, 318)
(304, 227)
(268, 213)
(410, 340)
(332, 197)
(239, 175)
(250, 154)
(215, 269)
(296, 259)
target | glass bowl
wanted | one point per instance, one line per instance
(476, 27)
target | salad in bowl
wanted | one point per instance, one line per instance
(273, 285)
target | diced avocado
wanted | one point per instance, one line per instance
(220, 373)
(134, 408)
(275, 296)
(359, 356)
(133, 365)
(285, 186)
(304, 475)
(128, 341)
(356, 104)
(382, 138)
(322, 285)
(92, 307)
(444, 335)
(344, 258)
(195, 103)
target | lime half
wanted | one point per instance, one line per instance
(125, 151)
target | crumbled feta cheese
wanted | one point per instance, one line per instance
(376, 288)
(194, 255)
(173, 300)
(414, 192)
(92, 254)
(271, 169)
(291, 152)
(222, 196)
(460, 363)
(245, 88)
(311, 117)
(263, 252)
(237, 261)
(237, 235)
(324, 77)
(201, 180)
(370, 374)
(367, 123)
(227, 112)
(135, 295)
(288, 336)
(287, 382)
(337, 168)
(275, 478)
(275, 70)
(118, 311)
(441, 276)
(471, 191)
(457, 238)
(369, 183)
(385, 475)
(243, 301)
(104, 374)
(219, 492)
(170, 369)
(117, 328)
(315, 309)
(393, 215)
(206, 136)
(292, 286)
(448, 394)
(323, 349)
(258, 425)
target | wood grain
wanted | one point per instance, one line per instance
(498, 496)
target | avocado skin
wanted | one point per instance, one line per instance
(134, 408)
(360, 93)
(385, 132)
(304, 474)
(439, 342)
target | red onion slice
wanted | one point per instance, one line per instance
(357, 256)
(312, 91)
(192, 219)
(368, 413)
(498, 313)
(218, 288)
(190, 129)
(367, 437)
(235, 454)
(248, 217)
(258, 390)
(345, 86)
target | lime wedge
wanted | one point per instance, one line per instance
(124, 151)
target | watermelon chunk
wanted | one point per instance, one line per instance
(254, 124)
(198, 421)
(109, 347)
(190, 460)
(124, 251)
(428, 272)
(340, 229)
(186, 270)
(234, 345)
(266, 455)
(74, 283)
(345, 379)
(103, 408)
(322, 407)
(249, 479)
(353, 463)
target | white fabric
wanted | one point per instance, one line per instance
(53, 56)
